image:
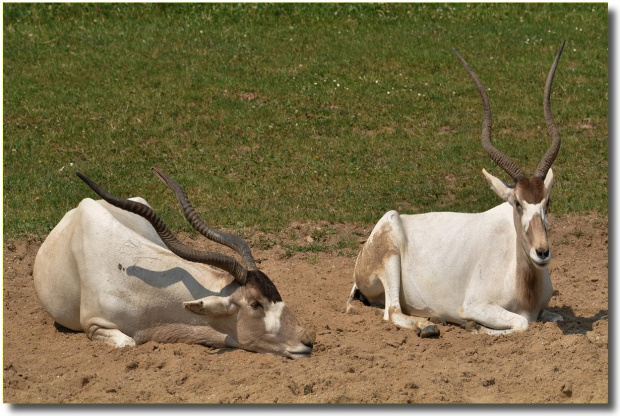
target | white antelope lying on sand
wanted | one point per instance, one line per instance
(489, 268)
(125, 279)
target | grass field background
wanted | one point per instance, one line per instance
(269, 114)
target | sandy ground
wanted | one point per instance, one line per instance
(358, 357)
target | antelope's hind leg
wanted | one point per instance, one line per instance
(378, 274)
(393, 312)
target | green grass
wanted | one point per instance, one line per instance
(268, 114)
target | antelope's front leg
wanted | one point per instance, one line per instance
(98, 329)
(494, 319)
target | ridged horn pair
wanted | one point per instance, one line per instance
(498, 157)
(218, 260)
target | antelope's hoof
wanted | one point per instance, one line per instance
(429, 331)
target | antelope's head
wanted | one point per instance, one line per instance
(529, 196)
(255, 318)
(248, 311)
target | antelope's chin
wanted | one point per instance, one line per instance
(296, 356)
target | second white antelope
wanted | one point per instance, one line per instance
(113, 269)
(486, 271)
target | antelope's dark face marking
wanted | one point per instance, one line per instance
(531, 201)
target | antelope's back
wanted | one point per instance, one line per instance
(59, 266)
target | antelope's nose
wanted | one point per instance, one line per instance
(543, 254)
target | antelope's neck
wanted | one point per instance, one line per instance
(529, 282)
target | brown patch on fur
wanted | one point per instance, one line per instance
(375, 253)
(529, 286)
(264, 285)
(531, 190)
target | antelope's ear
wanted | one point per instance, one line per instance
(507, 193)
(211, 305)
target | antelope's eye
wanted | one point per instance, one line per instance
(256, 305)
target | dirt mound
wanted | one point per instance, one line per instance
(358, 358)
